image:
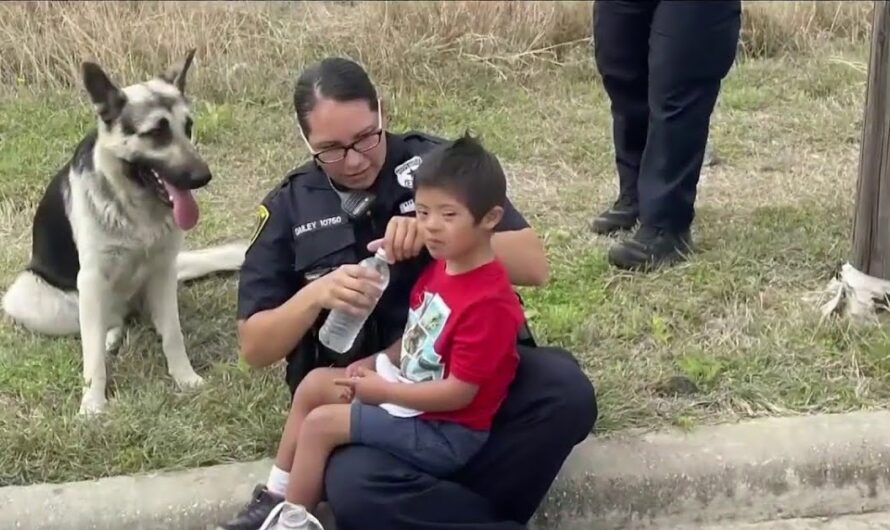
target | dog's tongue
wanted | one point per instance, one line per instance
(185, 209)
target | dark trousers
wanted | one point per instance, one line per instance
(550, 408)
(662, 63)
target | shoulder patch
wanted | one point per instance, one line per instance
(262, 216)
(405, 172)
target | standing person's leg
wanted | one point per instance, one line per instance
(551, 407)
(693, 45)
(621, 51)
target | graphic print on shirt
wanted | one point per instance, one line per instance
(419, 360)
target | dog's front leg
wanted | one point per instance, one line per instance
(163, 307)
(93, 300)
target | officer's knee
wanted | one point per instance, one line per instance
(580, 398)
(574, 398)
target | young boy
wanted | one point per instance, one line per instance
(431, 396)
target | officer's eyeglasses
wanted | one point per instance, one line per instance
(362, 145)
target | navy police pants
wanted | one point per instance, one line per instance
(550, 408)
(662, 63)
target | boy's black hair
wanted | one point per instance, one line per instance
(465, 168)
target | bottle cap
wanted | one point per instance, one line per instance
(295, 514)
(381, 253)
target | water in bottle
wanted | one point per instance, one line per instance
(340, 329)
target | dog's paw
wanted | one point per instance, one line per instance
(113, 339)
(188, 380)
(92, 403)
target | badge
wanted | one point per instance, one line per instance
(262, 216)
(405, 172)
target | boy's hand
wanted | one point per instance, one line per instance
(403, 240)
(367, 386)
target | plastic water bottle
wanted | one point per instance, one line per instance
(296, 517)
(340, 329)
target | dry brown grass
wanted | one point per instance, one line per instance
(777, 27)
(252, 49)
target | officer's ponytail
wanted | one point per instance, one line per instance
(333, 78)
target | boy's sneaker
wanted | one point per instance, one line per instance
(620, 216)
(252, 517)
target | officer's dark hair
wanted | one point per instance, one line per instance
(464, 167)
(332, 78)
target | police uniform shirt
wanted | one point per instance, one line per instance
(303, 233)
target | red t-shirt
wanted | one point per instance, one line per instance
(466, 325)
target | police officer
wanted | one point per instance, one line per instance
(662, 63)
(327, 215)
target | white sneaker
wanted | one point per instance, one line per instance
(292, 517)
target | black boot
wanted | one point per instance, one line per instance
(650, 248)
(621, 216)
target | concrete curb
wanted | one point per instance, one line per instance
(761, 470)
(754, 471)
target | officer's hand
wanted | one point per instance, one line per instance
(350, 288)
(402, 240)
(355, 368)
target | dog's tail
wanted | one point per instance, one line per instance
(40, 307)
(191, 264)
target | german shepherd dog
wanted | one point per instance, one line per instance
(106, 236)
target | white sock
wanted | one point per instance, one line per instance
(277, 483)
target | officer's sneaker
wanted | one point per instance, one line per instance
(650, 248)
(252, 517)
(620, 216)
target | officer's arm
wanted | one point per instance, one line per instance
(274, 309)
(268, 336)
(520, 249)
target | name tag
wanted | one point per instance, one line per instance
(312, 226)
(407, 206)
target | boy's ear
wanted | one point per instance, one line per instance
(491, 219)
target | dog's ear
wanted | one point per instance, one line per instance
(106, 97)
(176, 74)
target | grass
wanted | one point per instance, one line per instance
(773, 217)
